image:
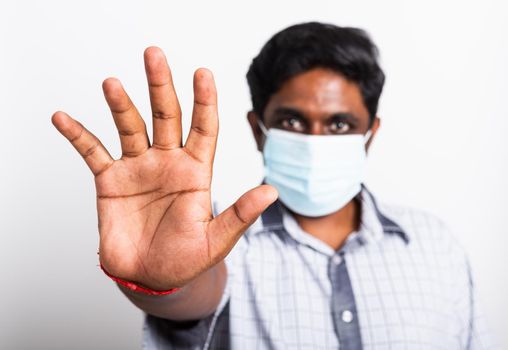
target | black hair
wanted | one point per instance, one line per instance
(304, 46)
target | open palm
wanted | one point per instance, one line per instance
(154, 206)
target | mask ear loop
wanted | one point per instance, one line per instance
(262, 126)
(366, 137)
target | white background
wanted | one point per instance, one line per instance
(442, 146)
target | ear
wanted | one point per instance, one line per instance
(376, 123)
(252, 117)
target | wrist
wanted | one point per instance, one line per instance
(137, 287)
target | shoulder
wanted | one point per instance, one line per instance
(434, 250)
(425, 230)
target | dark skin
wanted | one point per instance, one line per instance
(156, 226)
(319, 102)
(154, 207)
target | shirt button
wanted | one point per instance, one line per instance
(347, 316)
(337, 259)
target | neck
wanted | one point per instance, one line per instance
(333, 229)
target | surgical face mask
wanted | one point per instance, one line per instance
(315, 175)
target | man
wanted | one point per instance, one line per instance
(307, 260)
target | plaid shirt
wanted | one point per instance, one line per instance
(402, 281)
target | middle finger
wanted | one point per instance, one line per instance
(166, 112)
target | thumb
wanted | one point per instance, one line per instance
(226, 228)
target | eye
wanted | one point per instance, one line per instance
(293, 124)
(339, 127)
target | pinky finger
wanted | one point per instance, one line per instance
(87, 144)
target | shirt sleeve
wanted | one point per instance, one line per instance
(475, 333)
(163, 334)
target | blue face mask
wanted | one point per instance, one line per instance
(315, 175)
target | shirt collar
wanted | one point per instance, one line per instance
(373, 224)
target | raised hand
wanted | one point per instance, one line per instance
(154, 206)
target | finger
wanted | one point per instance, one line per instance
(226, 229)
(89, 147)
(202, 138)
(130, 125)
(166, 112)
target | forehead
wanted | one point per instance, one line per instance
(319, 92)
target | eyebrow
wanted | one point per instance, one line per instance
(299, 114)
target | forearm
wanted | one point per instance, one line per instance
(197, 299)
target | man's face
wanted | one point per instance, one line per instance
(318, 102)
